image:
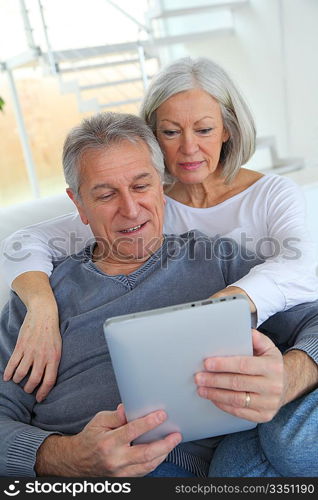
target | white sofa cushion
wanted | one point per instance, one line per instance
(20, 215)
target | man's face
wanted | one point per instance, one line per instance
(121, 198)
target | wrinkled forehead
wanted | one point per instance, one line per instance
(118, 162)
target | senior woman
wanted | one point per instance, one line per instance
(206, 133)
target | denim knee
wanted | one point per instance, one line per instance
(289, 441)
(239, 455)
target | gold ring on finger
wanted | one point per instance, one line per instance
(247, 400)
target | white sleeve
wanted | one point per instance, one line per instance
(288, 276)
(34, 248)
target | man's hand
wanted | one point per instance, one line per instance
(233, 290)
(103, 448)
(250, 387)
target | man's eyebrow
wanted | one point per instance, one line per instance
(101, 186)
(142, 176)
(178, 124)
(105, 185)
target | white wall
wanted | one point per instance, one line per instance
(272, 56)
(301, 19)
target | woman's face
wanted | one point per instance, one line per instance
(190, 132)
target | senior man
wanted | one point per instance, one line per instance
(113, 166)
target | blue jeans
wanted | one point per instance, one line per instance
(168, 469)
(286, 446)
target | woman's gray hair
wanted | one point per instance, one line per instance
(187, 74)
(101, 131)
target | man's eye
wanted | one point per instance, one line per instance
(204, 131)
(141, 187)
(106, 196)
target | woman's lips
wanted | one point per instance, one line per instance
(190, 165)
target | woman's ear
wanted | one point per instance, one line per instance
(226, 135)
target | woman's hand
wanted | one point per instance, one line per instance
(37, 351)
(233, 290)
(38, 348)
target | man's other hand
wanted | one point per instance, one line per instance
(250, 387)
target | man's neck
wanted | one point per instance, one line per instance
(113, 266)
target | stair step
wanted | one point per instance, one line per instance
(109, 84)
(148, 45)
(186, 37)
(165, 13)
(91, 52)
(120, 103)
(88, 67)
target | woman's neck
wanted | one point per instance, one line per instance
(203, 195)
(213, 190)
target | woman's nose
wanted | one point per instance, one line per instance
(189, 144)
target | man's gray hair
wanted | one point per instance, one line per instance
(187, 74)
(101, 131)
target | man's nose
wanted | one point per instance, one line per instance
(129, 206)
(189, 143)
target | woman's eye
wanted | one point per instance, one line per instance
(170, 133)
(205, 131)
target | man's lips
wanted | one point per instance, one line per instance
(190, 165)
(133, 229)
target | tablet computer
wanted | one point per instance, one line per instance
(156, 353)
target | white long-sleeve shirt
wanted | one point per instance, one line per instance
(268, 218)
